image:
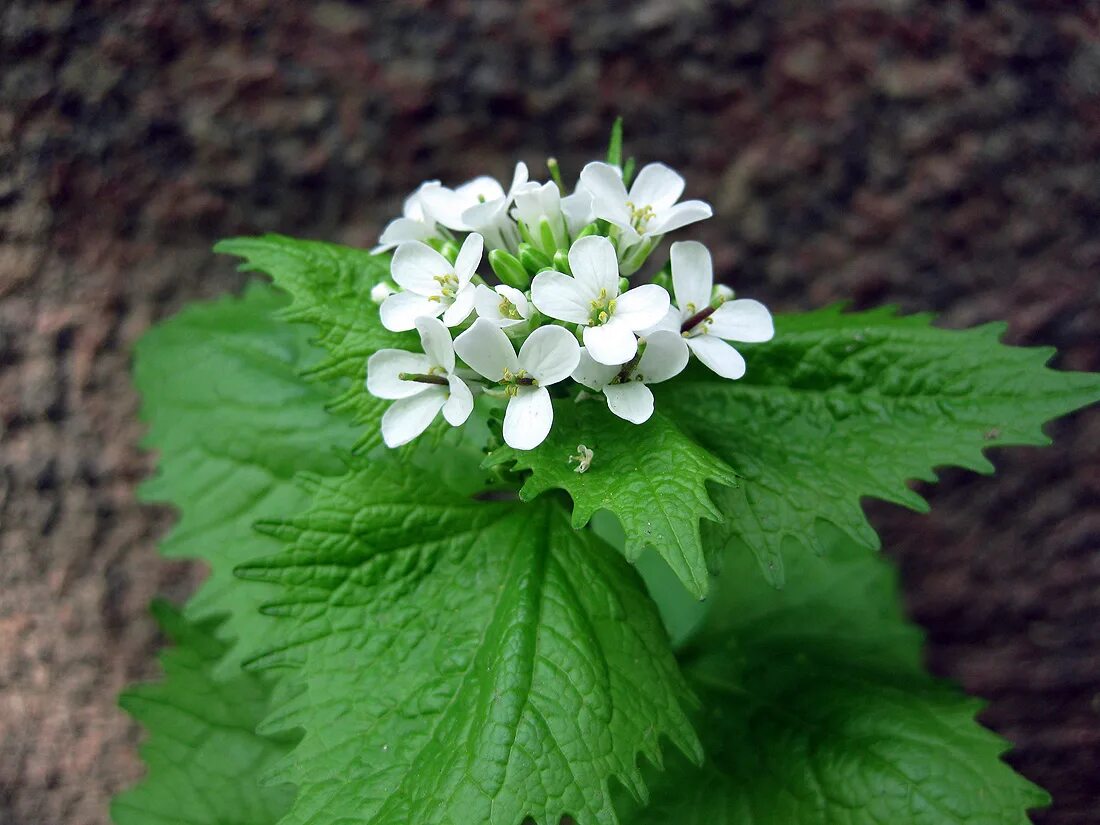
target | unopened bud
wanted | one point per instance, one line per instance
(381, 291)
(507, 267)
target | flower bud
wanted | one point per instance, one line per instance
(508, 268)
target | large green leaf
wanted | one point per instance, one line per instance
(204, 757)
(816, 710)
(460, 661)
(233, 422)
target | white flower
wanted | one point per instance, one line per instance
(548, 356)
(432, 286)
(415, 224)
(664, 357)
(480, 205)
(650, 208)
(505, 306)
(420, 384)
(591, 298)
(583, 458)
(704, 328)
(538, 201)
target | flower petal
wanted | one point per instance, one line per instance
(550, 354)
(402, 230)
(400, 311)
(446, 206)
(528, 418)
(517, 299)
(384, 367)
(594, 265)
(718, 355)
(592, 374)
(605, 183)
(612, 343)
(487, 350)
(577, 209)
(665, 356)
(415, 267)
(436, 341)
(642, 306)
(519, 178)
(556, 294)
(487, 303)
(485, 216)
(658, 186)
(670, 322)
(679, 215)
(409, 417)
(460, 403)
(460, 307)
(692, 276)
(742, 320)
(469, 256)
(632, 401)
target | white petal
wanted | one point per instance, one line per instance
(487, 350)
(742, 320)
(446, 206)
(402, 230)
(485, 216)
(461, 307)
(641, 307)
(415, 267)
(665, 356)
(612, 343)
(718, 355)
(414, 204)
(556, 294)
(549, 354)
(384, 367)
(577, 209)
(400, 311)
(528, 418)
(592, 374)
(657, 186)
(460, 403)
(679, 215)
(605, 183)
(436, 341)
(670, 322)
(480, 189)
(692, 275)
(516, 298)
(519, 178)
(594, 265)
(487, 303)
(632, 401)
(409, 417)
(469, 256)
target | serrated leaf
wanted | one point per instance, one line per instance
(816, 710)
(330, 286)
(840, 406)
(204, 758)
(651, 476)
(233, 422)
(460, 661)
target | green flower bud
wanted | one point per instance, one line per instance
(533, 260)
(508, 268)
(561, 262)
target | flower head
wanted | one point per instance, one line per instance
(415, 224)
(432, 286)
(548, 356)
(663, 357)
(420, 384)
(591, 298)
(505, 306)
(650, 208)
(538, 202)
(480, 205)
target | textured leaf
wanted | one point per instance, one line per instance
(816, 711)
(460, 661)
(330, 289)
(204, 758)
(843, 406)
(233, 423)
(652, 477)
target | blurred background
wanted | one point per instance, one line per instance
(941, 156)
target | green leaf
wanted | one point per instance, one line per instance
(330, 289)
(652, 477)
(816, 710)
(233, 422)
(204, 758)
(461, 661)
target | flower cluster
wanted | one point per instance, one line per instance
(559, 304)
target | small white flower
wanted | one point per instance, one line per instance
(664, 357)
(505, 306)
(480, 205)
(415, 224)
(591, 298)
(548, 356)
(381, 291)
(420, 385)
(704, 329)
(538, 201)
(583, 458)
(650, 208)
(432, 286)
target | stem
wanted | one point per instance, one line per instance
(628, 367)
(423, 378)
(697, 319)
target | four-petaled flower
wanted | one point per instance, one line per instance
(591, 298)
(415, 224)
(663, 357)
(420, 385)
(504, 305)
(705, 325)
(549, 355)
(432, 287)
(650, 208)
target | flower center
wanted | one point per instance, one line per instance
(697, 322)
(640, 216)
(512, 381)
(448, 286)
(601, 309)
(508, 310)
